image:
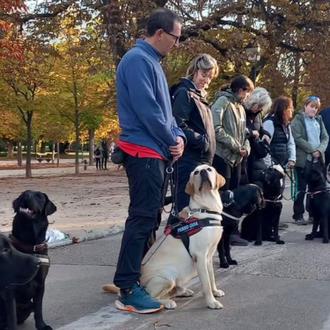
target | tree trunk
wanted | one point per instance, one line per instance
(28, 171)
(58, 154)
(10, 150)
(77, 142)
(91, 134)
(19, 154)
(296, 80)
(53, 152)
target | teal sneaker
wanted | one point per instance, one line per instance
(137, 300)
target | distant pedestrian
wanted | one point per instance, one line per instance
(105, 155)
(97, 156)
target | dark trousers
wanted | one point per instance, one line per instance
(104, 162)
(145, 180)
(231, 174)
(298, 205)
(98, 163)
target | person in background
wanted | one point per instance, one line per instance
(232, 144)
(311, 140)
(97, 156)
(277, 124)
(257, 105)
(105, 155)
(194, 116)
(150, 138)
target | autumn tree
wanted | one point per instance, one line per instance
(26, 80)
(82, 81)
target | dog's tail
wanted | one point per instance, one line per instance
(110, 288)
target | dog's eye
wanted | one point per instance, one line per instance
(196, 172)
(209, 169)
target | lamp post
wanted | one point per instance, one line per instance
(253, 52)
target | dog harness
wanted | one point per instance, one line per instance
(184, 228)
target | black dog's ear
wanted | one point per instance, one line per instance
(17, 203)
(50, 207)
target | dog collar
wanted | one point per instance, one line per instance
(27, 248)
(192, 211)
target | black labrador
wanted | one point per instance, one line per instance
(319, 202)
(262, 225)
(16, 269)
(237, 203)
(30, 224)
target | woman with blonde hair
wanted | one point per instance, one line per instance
(194, 117)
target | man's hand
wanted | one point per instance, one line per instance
(177, 150)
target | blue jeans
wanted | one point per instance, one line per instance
(145, 180)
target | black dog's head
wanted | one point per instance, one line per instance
(243, 200)
(16, 268)
(315, 176)
(33, 203)
(273, 182)
(30, 222)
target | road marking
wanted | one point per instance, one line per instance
(104, 319)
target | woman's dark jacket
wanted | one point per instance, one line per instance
(194, 117)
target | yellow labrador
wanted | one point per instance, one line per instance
(168, 267)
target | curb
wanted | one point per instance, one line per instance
(89, 235)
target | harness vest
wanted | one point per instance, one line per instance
(184, 228)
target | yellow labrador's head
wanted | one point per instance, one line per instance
(204, 178)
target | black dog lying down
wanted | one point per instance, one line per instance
(236, 203)
(319, 202)
(263, 223)
(16, 269)
(29, 236)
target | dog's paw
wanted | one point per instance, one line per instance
(224, 264)
(309, 237)
(258, 243)
(218, 293)
(214, 304)
(280, 242)
(168, 303)
(232, 262)
(183, 292)
(45, 327)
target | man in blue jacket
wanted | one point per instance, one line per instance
(150, 138)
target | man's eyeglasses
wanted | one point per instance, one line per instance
(177, 38)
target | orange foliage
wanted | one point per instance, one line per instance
(8, 47)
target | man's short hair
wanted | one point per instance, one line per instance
(161, 18)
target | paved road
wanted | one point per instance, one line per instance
(273, 287)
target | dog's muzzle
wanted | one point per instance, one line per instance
(204, 179)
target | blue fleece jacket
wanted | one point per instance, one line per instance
(143, 100)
